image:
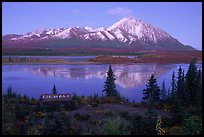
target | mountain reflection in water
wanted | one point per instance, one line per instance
(86, 80)
(127, 76)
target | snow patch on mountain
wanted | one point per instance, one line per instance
(127, 30)
(89, 29)
(64, 34)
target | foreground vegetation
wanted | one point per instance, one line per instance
(176, 111)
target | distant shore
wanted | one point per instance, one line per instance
(143, 57)
(36, 61)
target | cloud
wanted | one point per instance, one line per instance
(120, 11)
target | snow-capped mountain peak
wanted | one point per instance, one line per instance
(100, 29)
(89, 29)
(55, 31)
(143, 31)
(37, 31)
(128, 21)
(129, 30)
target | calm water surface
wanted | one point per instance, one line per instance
(34, 80)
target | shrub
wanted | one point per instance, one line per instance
(110, 100)
(138, 125)
(94, 105)
(109, 113)
(192, 126)
(118, 126)
(124, 114)
(135, 105)
(80, 117)
(159, 129)
(74, 102)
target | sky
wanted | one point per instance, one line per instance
(182, 20)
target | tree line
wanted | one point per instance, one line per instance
(185, 91)
(184, 100)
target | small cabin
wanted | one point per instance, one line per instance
(52, 98)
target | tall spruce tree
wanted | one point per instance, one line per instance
(173, 85)
(9, 91)
(168, 94)
(152, 91)
(185, 97)
(173, 98)
(54, 90)
(10, 59)
(163, 93)
(191, 85)
(198, 99)
(174, 95)
(180, 84)
(110, 87)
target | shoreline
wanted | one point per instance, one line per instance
(90, 63)
(152, 57)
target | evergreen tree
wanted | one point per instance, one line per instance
(173, 85)
(198, 99)
(152, 91)
(110, 87)
(174, 96)
(163, 91)
(183, 80)
(54, 91)
(185, 96)
(169, 94)
(191, 85)
(10, 92)
(180, 84)
(10, 59)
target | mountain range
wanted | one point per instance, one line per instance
(128, 33)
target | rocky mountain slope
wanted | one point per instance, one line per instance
(128, 33)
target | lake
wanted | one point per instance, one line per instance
(34, 80)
